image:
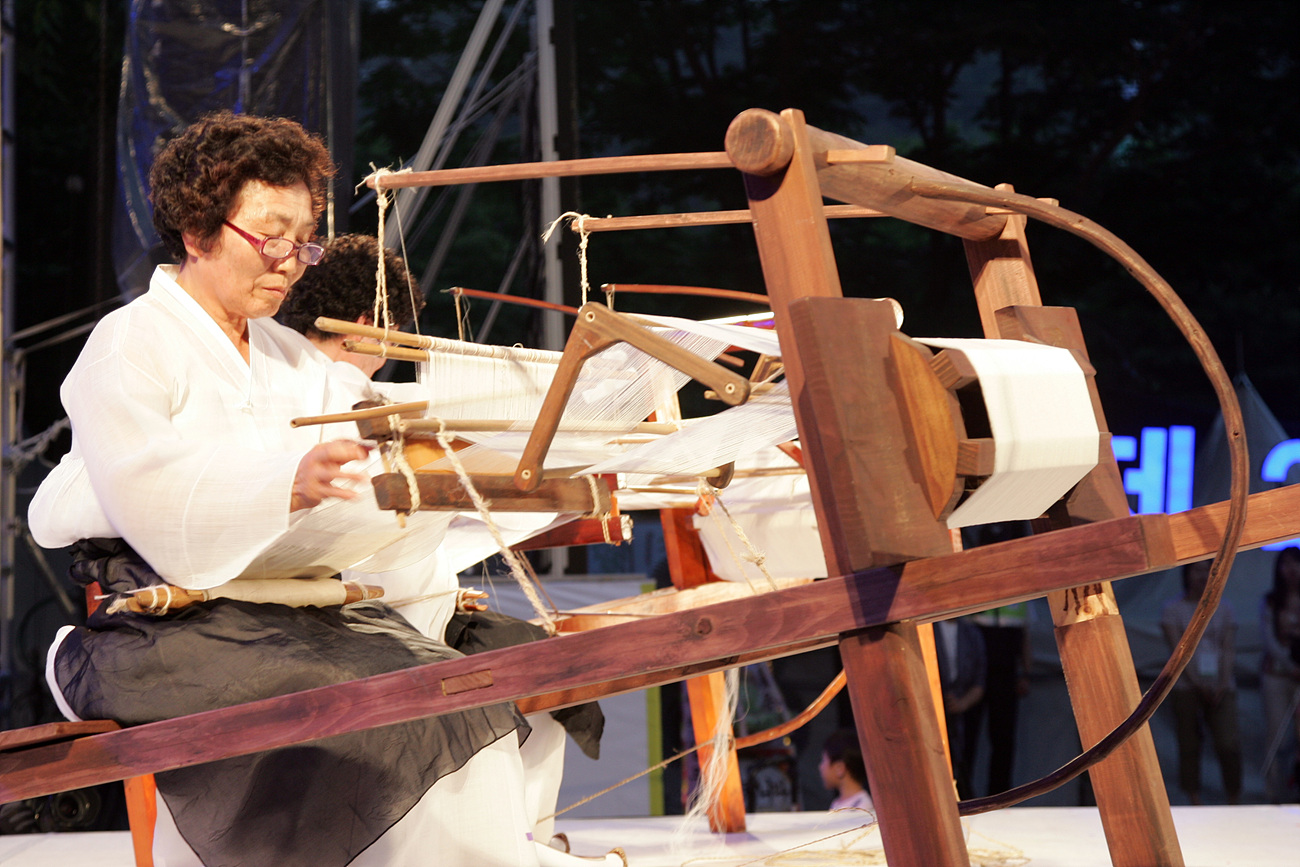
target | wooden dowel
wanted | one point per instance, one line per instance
(552, 169)
(356, 329)
(379, 350)
(443, 344)
(703, 291)
(757, 472)
(490, 424)
(701, 218)
(360, 414)
(757, 389)
(513, 299)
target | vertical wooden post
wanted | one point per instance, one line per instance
(688, 566)
(1099, 671)
(141, 792)
(707, 696)
(1090, 637)
(888, 683)
(142, 814)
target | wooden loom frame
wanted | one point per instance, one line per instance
(868, 608)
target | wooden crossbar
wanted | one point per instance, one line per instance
(661, 649)
(654, 651)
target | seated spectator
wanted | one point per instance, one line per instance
(844, 772)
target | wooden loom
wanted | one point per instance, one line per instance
(889, 570)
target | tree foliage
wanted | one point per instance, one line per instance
(1174, 123)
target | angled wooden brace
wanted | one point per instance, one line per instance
(597, 329)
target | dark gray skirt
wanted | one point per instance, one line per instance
(480, 631)
(315, 804)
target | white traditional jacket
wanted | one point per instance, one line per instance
(180, 447)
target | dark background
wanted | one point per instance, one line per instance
(1173, 124)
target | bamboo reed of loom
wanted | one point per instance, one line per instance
(457, 425)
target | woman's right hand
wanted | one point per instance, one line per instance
(318, 470)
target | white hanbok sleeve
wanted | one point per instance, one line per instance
(198, 509)
(65, 508)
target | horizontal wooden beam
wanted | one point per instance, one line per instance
(656, 650)
(632, 164)
(659, 650)
(445, 492)
(1272, 516)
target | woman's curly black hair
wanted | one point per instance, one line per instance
(342, 286)
(197, 176)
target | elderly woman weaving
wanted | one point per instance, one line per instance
(184, 469)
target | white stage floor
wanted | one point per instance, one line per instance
(1250, 836)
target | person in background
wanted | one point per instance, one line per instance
(342, 286)
(1006, 670)
(1205, 697)
(1279, 681)
(844, 772)
(960, 648)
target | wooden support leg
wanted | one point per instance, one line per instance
(688, 566)
(707, 697)
(1099, 671)
(907, 766)
(1094, 650)
(142, 813)
(141, 792)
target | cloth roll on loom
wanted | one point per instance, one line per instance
(1044, 429)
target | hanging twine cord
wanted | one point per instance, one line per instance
(759, 559)
(462, 315)
(713, 774)
(485, 513)
(583, 235)
(395, 454)
(602, 516)
(383, 198)
(153, 591)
